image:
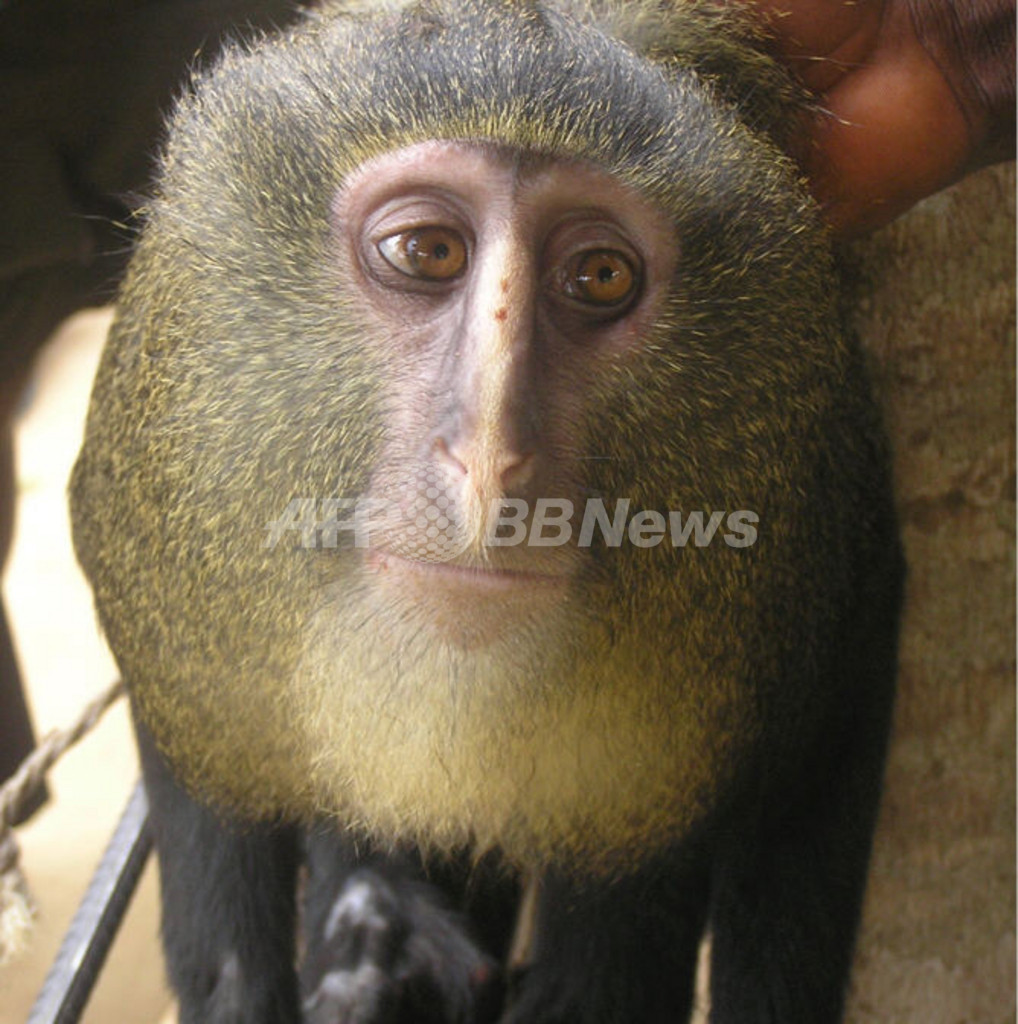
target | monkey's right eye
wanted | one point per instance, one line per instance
(429, 253)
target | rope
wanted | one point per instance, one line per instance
(17, 907)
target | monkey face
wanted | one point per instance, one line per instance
(391, 268)
(502, 288)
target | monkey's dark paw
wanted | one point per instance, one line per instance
(389, 952)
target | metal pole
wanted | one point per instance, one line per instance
(74, 972)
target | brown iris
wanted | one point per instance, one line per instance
(431, 253)
(603, 277)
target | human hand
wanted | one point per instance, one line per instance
(915, 94)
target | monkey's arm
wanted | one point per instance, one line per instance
(787, 893)
(228, 907)
(623, 952)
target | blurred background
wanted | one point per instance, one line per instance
(64, 664)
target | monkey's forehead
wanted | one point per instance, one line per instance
(554, 79)
(522, 167)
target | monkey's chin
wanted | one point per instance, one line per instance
(467, 605)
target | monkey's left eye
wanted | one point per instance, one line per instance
(600, 277)
(430, 253)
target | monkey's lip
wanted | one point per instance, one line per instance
(467, 606)
(462, 576)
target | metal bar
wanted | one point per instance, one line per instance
(74, 972)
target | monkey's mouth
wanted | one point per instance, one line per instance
(466, 605)
(457, 575)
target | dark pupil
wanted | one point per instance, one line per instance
(441, 251)
(605, 274)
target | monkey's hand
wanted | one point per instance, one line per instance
(388, 952)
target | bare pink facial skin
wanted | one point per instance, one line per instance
(492, 367)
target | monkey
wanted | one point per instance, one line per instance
(484, 500)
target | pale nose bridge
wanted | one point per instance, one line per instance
(489, 440)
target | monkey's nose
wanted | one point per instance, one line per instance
(509, 469)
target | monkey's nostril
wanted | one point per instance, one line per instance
(518, 471)
(445, 456)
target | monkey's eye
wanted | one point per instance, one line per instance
(600, 277)
(431, 253)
